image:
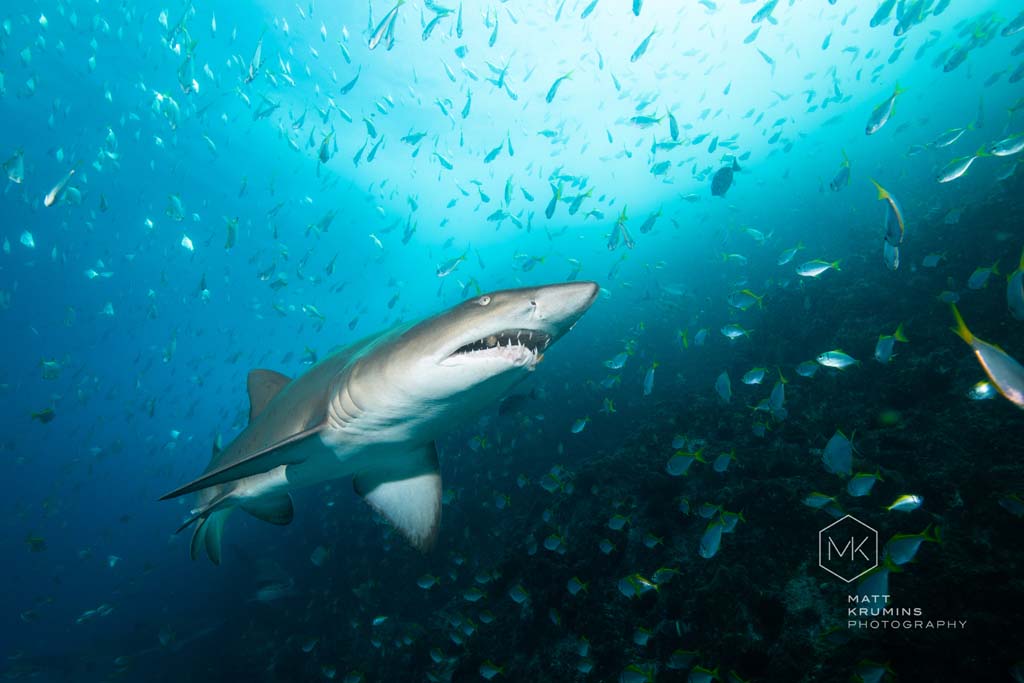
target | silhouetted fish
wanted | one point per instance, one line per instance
(722, 180)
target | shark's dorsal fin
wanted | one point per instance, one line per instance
(274, 509)
(260, 461)
(408, 494)
(263, 386)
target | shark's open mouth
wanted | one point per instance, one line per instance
(508, 342)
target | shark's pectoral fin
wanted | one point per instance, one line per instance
(408, 494)
(261, 461)
(208, 533)
(274, 509)
(263, 386)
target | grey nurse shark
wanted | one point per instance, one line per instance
(373, 410)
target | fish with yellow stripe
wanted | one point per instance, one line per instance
(895, 227)
(1006, 374)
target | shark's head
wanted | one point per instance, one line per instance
(469, 355)
(506, 330)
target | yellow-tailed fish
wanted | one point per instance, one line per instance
(894, 225)
(1007, 374)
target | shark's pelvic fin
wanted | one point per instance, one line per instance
(259, 462)
(407, 495)
(208, 534)
(205, 511)
(263, 386)
(274, 509)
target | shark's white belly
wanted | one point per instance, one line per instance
(333, 454)
(379, 429)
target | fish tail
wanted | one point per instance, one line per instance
(882, 193)
(961, 327)
(888, 564)
(899, 335)
(208, 534)
(846, 159)
(835, 264)
(995, 267)
(897, 91)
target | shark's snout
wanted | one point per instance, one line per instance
(560, 306)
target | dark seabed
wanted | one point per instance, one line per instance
(193, 190)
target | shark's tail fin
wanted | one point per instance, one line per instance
(208, 532)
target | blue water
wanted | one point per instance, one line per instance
(149, 316)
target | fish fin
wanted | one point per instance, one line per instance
(214, 533)
(198, 539)
(961, 327)
(217, 447)
(274, 509)
(407, 494)
(263, 386)
(898, 335)
(882, 193)
(208, 535)
(204, 512)
(259, 462)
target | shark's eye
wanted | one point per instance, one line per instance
(484, 300)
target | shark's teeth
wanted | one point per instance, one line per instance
(533, 340)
